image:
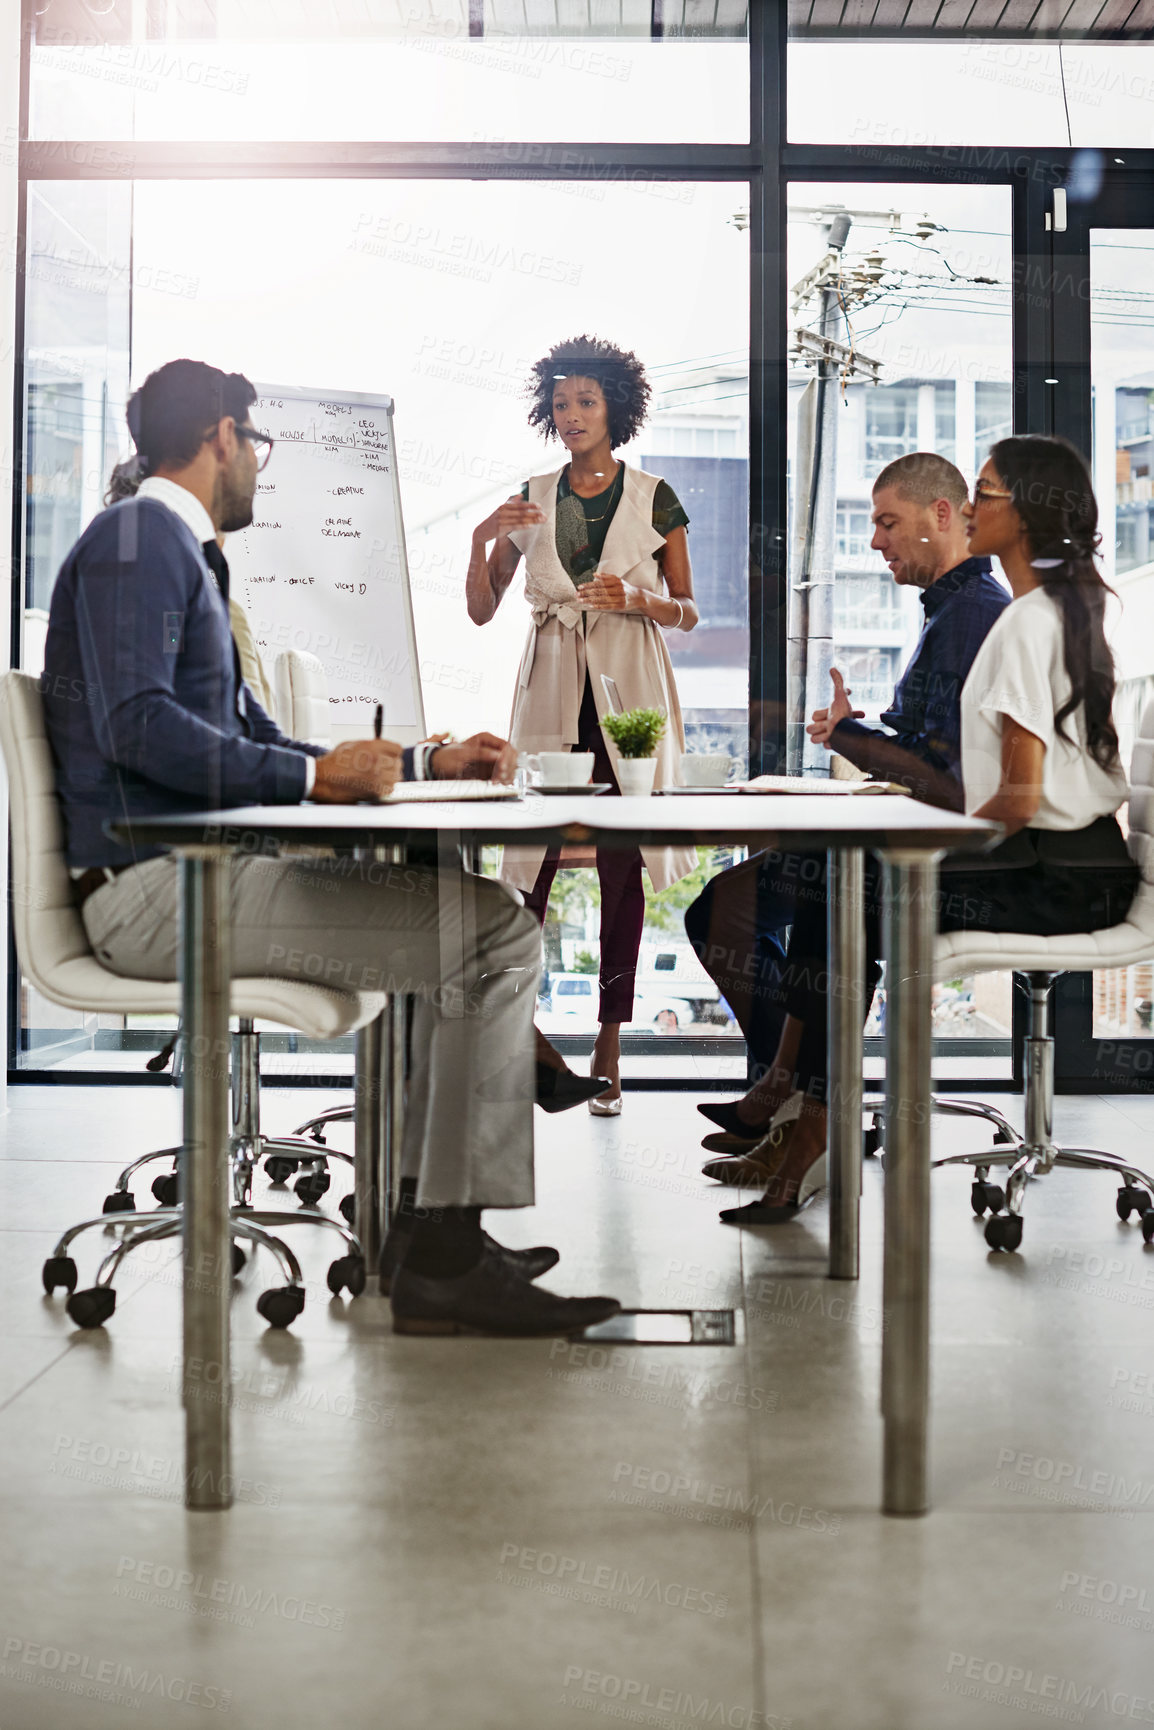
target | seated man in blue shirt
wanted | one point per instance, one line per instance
(736, 925)
(147, 712)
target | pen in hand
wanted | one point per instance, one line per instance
(378, 720)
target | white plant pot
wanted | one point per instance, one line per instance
(635, 775)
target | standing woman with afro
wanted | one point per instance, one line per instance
(607, 569)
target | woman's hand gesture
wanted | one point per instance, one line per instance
(608, 594)
(515, 513)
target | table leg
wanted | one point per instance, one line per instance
(370, 1044)
(205, 1179)
(911, 881)
(846, 902)
(394, 1058)
(392, 1084)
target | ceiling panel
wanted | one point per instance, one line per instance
(1075, 20)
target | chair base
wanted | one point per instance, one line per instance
(316, 1126)
(247, 1147)
(1035, 1152)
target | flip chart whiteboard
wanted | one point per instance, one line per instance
(323, 566)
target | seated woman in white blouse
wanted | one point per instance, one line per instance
(1039, 748)
(1039, 756)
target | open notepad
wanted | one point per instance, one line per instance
(430, 792)
(804, 784)
(794, 784)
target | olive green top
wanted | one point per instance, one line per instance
(582, 524)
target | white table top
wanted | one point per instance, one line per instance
(755, 820)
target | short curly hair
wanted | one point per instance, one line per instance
(618, 371)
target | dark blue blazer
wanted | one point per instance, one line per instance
(925, 716)
(144, 705)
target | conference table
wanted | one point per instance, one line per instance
(908, 839)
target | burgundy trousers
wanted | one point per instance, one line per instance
(622, 893)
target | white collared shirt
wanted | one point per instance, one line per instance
(193, 515)
(182, 503)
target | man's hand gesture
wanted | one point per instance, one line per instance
(824, 721)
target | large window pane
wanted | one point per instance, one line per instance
(989, 96)
(78, 281)
(387, 298)
(919, 297)
(1122, 316)
(402, 69)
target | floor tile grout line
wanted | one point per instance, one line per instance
(1115, 1100)
(39, 1376)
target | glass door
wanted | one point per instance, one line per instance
(908, 288)
(1105, 1021)
(76, 362)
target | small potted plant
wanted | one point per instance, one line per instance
(636, 734)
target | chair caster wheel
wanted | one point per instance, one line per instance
(1148, 1225)
(871, 1140)
(311, 1187)
(92, 1308)
(347, 1270)
(238, 1258)
(281, 1306)
(1004, 1231)
(120, 1201)
(348, 1207)
(987, 1195)
(1130, 1199)
(59, 1270)
(167, 1189)
(279, 1167)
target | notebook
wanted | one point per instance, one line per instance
(778, 784)
(803, 784)
(432, 792)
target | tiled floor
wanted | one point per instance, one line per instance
(529, 1535)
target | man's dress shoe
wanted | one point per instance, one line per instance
(491, 1299)
(525, 1263)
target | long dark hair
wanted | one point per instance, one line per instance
(1054, 496)
(123, 481)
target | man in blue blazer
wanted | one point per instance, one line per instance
(147, 712)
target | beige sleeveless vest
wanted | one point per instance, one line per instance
(566, 646)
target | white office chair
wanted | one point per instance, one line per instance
(1041, 960)
(55, 954)
(302, 697)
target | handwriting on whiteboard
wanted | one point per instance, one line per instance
(322, 567)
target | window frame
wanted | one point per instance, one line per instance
(1048, 318)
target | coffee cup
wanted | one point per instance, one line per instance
(562, 768)
(705, 769)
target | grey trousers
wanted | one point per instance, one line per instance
(464, 949)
